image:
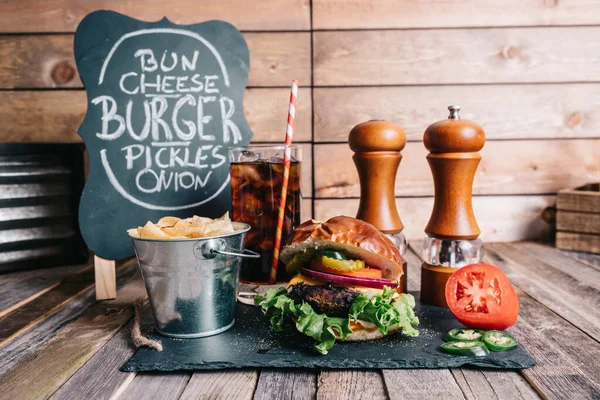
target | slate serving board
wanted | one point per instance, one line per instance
(252, 343)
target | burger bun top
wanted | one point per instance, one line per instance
(355, 238)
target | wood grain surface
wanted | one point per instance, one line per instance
(568, 263)
(592, 260)
(341, 14)
(578, 241)
(351, 384)
(55, 116)
(452, 56)
(532, 168)
(556, 380)
(501, 218)
(221, 385)
(157, 386)
(587, 201)
(100, 378)
(65, 15)
(554, 329)
(421, 384)
(545, 111)
(25, 316)
(45, 370)
(479, 384)
(288, 384)
(578, 222)
(20, 288)
(46, 61)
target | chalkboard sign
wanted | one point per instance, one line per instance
(164, 106)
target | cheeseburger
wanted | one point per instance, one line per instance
(346, 285)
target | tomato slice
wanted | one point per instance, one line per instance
(363, 273)
(481, 296)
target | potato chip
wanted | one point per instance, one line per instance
(165, 222)
(151, 231)
(219, 227)
(201, 221)
(177, 228)
(184, 231)
(182, 224)
(133, 232)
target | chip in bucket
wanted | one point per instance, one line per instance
(176, 228)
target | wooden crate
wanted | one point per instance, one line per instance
(578, 218)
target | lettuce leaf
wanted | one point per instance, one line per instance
(385, 312)
(381, 310)
(277, 305)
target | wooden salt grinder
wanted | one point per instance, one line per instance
(377, 146)
(454, 146)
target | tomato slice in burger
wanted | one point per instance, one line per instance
(481, 296)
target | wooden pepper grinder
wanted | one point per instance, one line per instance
(377, 146)
(452, 231)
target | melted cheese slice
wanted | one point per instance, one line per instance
(299, 278)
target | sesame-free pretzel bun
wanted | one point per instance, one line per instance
(356, 238)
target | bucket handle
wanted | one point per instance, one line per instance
(209, 249)
(244, 254)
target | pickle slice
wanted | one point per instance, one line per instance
(298, 261)
(341, 265)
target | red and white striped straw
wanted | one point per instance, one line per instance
(289, 133)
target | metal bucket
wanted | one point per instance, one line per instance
(192, 283)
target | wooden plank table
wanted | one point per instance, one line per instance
(57, 341)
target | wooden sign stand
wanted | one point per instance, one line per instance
(105, 277)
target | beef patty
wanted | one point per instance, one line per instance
(325, 299)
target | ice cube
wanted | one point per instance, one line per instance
(249, 156)
(275, 160)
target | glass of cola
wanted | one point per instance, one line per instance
(256, 177)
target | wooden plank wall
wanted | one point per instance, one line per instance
(526, 70)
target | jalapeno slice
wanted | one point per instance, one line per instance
(337, 255)
(499, 341)
(473, 348)
(464, 335)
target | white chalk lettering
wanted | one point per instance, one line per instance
(215, 153)
(108, 115)
(169, 145)
(227, 110)
(186, 174)
(157, 120)
(179, 87)
(163, 67)
(144, 84)
(186, 64)
(199, 157)
(197, 80)
(189, 99)
(200, 182)
(130, 157)
(209, 84)
(157, 158)
(166, 85)
(202, 120)
(146, 129)
(122, 83)
(147, 60)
